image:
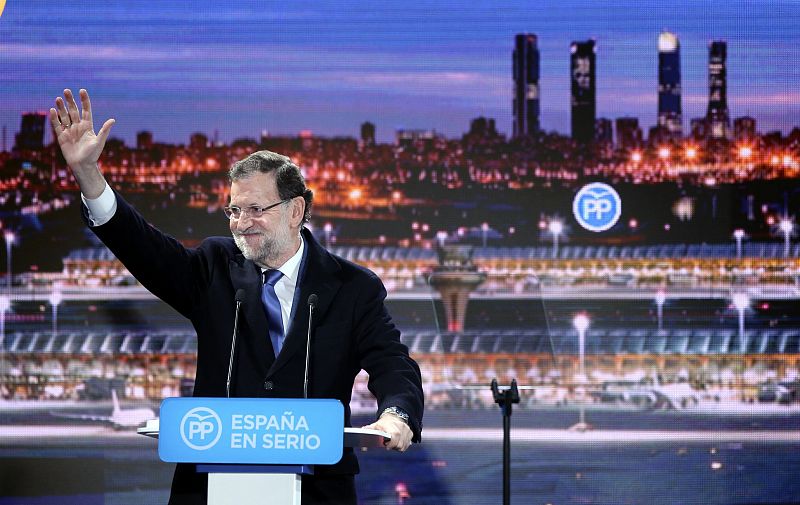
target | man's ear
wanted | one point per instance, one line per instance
(298, 211)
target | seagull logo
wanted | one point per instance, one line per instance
(597, 207)
(201, 428)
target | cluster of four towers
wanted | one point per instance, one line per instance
(583, 80)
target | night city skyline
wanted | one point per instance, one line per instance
(453, 66)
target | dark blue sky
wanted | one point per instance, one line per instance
(242, 67)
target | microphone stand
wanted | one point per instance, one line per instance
(239, 299)
(312, 304)
(505, 399)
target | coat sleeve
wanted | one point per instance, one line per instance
(394, 377)
(172, 272)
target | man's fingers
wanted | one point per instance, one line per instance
(102, 135)
(54, 120)
(397, 443)
(72, 107)
(86, 113)
(63, 116)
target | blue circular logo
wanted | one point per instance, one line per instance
(201, 428)
(597, 206)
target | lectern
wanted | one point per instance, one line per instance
(255, 449)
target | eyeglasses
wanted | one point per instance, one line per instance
(235, 212)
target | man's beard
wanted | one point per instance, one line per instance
(269, 249)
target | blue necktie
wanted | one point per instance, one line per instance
(273, 307)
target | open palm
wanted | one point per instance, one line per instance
(75, 132)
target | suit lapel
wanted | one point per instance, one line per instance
(317, 276)
(253, 328)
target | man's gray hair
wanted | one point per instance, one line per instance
(288, 176)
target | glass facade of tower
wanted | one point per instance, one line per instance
(719, 123)
(526, 85)
(670, 116)
(583, 90)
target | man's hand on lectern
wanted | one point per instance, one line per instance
(397, 428)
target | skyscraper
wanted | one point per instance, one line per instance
(583, 78)
(719, 123)
(526, 85)
(604, 130)
(367, 134)
(629, 135)
(31, 132)
(744, 128)
(670, 116)
(198, 141)
(144, 139)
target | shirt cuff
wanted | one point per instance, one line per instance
(101, 209)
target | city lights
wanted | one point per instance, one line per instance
(5, 305)
(661, 298)
(786, 227)
(55, 300)
(745, 152)
(581, 323)
(741, 302)
(10, 238)
(556, 228)
(738, 235)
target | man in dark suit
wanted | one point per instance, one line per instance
(279, 266)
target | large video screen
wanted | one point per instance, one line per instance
(594, 200)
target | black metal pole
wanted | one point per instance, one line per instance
(507, 456)
(505, 399)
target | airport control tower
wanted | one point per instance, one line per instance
(455, 278)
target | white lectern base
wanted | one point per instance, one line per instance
(239, 488)
(239, 484)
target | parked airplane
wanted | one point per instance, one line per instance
(120, 418)
(650, 394)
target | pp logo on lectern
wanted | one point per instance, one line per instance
(201, 428)
(597, 206)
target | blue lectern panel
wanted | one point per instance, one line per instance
(251, 430)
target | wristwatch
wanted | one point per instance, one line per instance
(396, 411)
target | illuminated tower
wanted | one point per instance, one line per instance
(455, 278)
(583, 79)
(719, 123)
(670, 117)
(526, 85)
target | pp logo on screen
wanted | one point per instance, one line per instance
(597, 207)
(201, 428)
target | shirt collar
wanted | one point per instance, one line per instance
(291, 268)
